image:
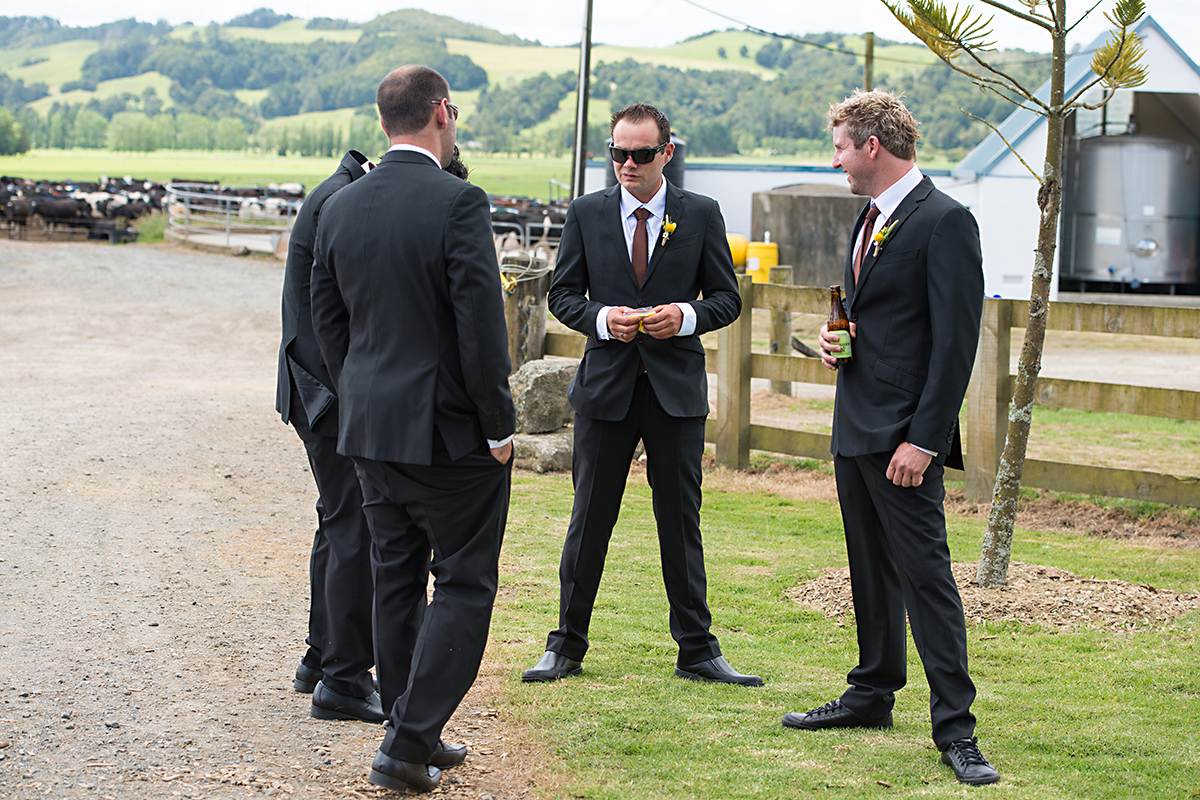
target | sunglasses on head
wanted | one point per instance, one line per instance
(642, 156)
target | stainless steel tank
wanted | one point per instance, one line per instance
(1133, 211)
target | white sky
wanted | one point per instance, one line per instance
(654, 23)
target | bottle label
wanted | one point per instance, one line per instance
(844, 341)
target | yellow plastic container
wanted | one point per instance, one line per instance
(737, 248)
(760, 257)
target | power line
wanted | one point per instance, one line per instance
(839, 50)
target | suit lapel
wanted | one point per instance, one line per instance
(676, 205)
(907, 206)
(848, 278)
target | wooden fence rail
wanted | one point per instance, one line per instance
(988, 396)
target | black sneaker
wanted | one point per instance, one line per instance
(968, 763)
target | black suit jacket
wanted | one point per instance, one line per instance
(299, 357)
(594, 270)
(917, 308)
(408, 313)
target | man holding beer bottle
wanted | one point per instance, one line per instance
(914, 296)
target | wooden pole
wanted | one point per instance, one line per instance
(733, 384)
(869, 62)
(987, 401)
(781, 328)
(579, 156)
(525, 313)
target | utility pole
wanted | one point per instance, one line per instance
(579, 158)
(868, 62)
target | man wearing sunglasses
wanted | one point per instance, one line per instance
(643, 270)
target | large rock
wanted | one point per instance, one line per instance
(545, 452)
(539, 390)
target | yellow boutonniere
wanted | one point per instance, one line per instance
(882, 237)
(667, 229)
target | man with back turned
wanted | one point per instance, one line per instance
(408, 312)
(914, 281)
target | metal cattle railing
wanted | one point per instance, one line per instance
(228, 215)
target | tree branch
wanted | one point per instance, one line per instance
(1008, 144)
(1086, 14)
(1036, 20)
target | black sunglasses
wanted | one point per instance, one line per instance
(643, 156)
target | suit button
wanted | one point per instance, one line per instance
(854, 317)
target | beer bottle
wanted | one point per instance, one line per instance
(839, 323)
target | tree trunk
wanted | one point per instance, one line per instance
(997, 541)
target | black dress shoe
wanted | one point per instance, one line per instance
(448, 755)
(968, 763)
(833, 715)
(328, 704)
(306, 678)
(392, 773)
(551, 667)
(716, 670)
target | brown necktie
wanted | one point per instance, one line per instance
(868, 229)
(641, 244)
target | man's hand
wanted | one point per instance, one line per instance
(828, 343)
(665, 322)
(502, 454)
(908, 465)
(621, 325)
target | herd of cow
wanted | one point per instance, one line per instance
(105, 208)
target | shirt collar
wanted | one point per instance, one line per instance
(890, 198)
(412, 148)
(657, 205)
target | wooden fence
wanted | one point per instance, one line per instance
(988, 397)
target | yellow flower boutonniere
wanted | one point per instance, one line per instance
(882, 237)
(667, 229)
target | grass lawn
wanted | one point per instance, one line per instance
(496, 174)
(1085, 714)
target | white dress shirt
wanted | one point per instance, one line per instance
(888, 201)
(657, 206)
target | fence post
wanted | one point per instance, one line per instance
(525, 310)
(733, 384)
(781, 328)
(987, 401)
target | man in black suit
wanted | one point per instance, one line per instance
(644, 246)
(915, 294)
(339, 654)
(408, 313)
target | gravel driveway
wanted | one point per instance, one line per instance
(155, 520)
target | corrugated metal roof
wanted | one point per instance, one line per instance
(1022, 122)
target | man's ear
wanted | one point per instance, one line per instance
(873, 146)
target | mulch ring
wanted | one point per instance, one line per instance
(1045, 596)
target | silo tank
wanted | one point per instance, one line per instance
(1134, 214)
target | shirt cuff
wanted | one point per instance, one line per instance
(923, 450)
(494, 445)
(602, 324)
(689, 319)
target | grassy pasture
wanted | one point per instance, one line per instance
(1077, 714)
(290, 32)
(64, 62)
(134, 85)
(504, 175)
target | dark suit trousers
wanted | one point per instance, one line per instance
(600, 466)
(896, 542)
(447, 518)
(339, 619)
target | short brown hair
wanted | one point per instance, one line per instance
(640, 112)
(879, 114)
(405, 98)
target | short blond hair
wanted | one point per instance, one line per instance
(879, 114)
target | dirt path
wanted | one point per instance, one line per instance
(155, 519)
